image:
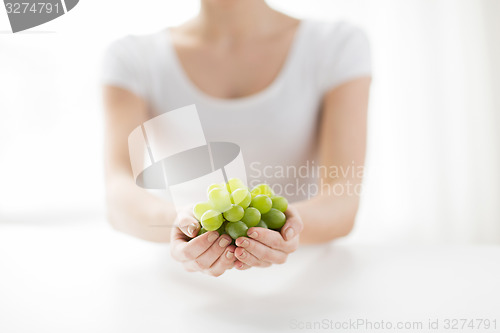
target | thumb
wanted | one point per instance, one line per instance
(187, 224)
(293, 225)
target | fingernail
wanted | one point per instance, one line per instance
(243, 254)
(244, 243)
(289, 233)
(253, 235)
(192, 229)
(212, 236)
(229, 255)
(224, 242)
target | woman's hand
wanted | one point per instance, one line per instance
(209, 253)
(264, 247)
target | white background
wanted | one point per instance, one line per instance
(433, 177)
(434, 142)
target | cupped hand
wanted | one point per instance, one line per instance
(264, 247)
(208, 253)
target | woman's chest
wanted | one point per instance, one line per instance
(278, 127)
(234, 71)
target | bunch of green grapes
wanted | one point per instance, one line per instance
(232, 209)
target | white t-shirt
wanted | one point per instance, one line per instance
(277, 127)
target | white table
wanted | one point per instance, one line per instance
(87, 278)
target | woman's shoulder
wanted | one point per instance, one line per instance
(338, 51)
(128, 60)
(137, 44)
(328, 32)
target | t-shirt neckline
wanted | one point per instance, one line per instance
(249, 99)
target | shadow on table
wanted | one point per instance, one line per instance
(302, 289)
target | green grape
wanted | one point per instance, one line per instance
(236, 229)
(220, 199)
(251, 217)
(262, 202)
(241, 197)
(211, 220)
(274, 219)
(234, 214)
(202, 231)
(262, 189)
(280, 203)
(262, 224)
(215, 185)
(222, 228)
(234, 183)
(200, 208)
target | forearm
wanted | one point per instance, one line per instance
(327, 217)
(342, 146)
(131, 209)
(134, 211)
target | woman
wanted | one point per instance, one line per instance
(291, 93)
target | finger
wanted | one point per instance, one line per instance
(184, 250)
(293, 225)
(187, 224)
(261, 251)
(208, 258)
(224, 262)
(190, 266)
(241, 266)
(249, 259)
(272, 239)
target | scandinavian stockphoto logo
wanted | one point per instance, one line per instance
(26, 14)
(170, 152)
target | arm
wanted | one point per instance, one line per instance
(342, 143)
(139, 213)
(327, 216)
(131, 209)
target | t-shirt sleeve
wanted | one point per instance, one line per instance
(122, 66)
(346, 56)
